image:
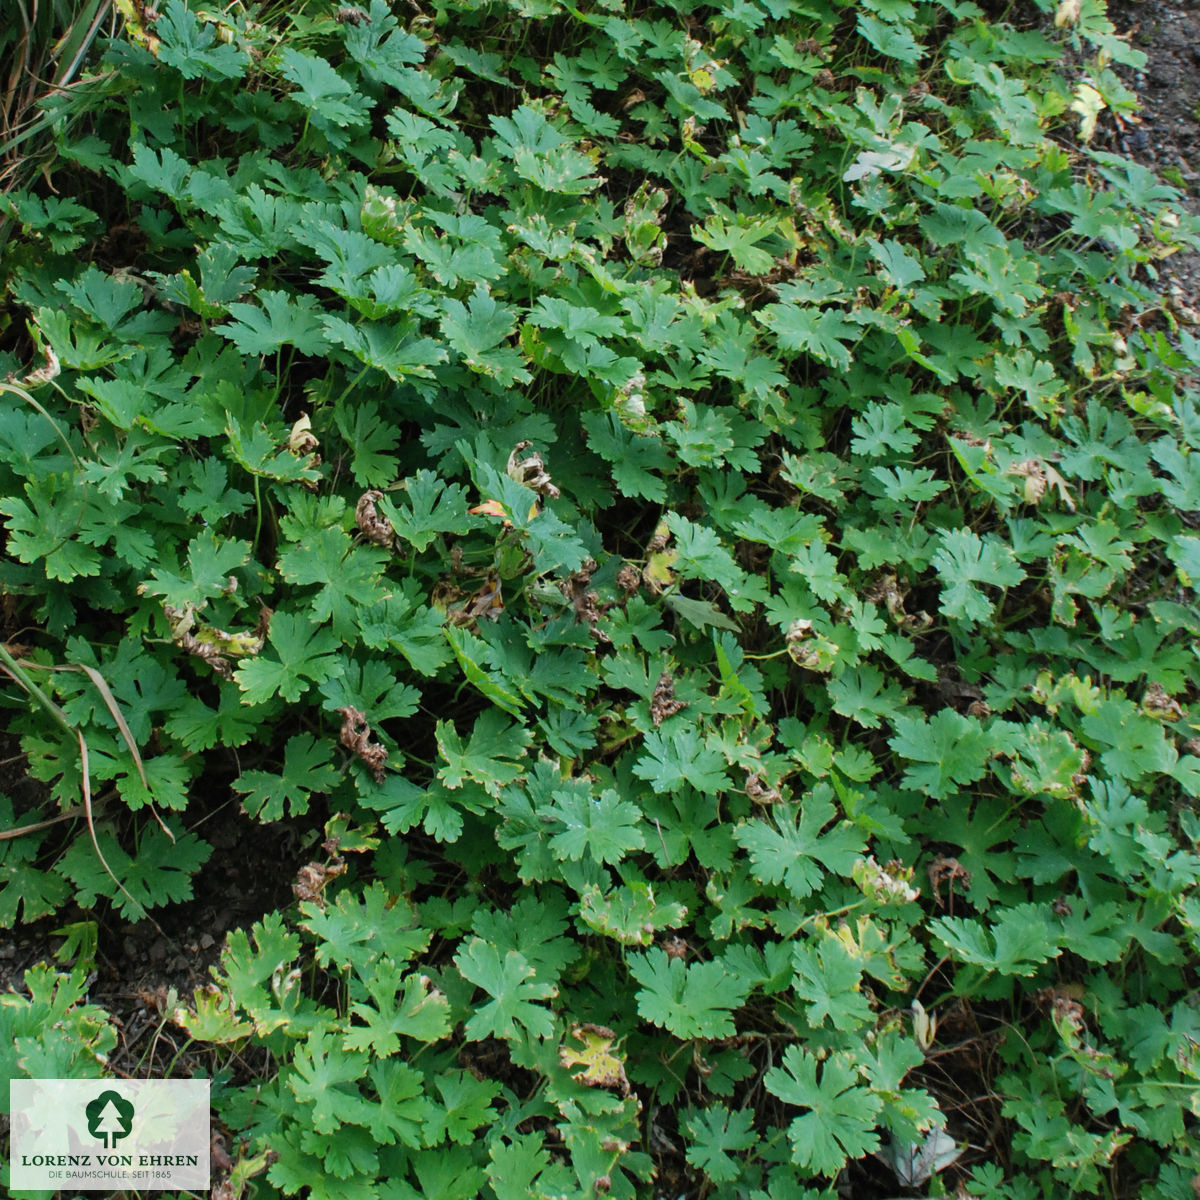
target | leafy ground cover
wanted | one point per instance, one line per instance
(691, 513)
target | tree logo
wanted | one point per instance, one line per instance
(109, 1117)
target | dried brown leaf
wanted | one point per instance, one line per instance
(356, 737)
(663, 703)
(375, 528)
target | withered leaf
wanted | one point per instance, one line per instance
(356, 737)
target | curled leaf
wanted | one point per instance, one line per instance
(375, 528)
(214, 646)
(356, 736)
(663, 703)
(530, 471)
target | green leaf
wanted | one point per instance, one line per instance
(953, 750)
(372, 443)
(429, 509)
(403, 1106)
(168, 777)
(605, 828)
(112, 301)
(331, 101)
(739, 235)
(828, 979)
(471, 652)
(695, 1000)
(511, 983)
(199, 727)
(256, 450)
(393, 348)
(159, 872)
(247, 972)
(965, 561)
(410, 626)
(478, 332)
(47, 529)
(193, 49)
(901, 269)
(1022, 939)
(281, 320)
(324, 1079)
(372, 688)
(631, 913)
(303, 656)
(360, 930)
(840, 1123)
(402, 1005)
(442, 1175)
(306, 769)
(514, 1165)
(467, 1105)
(700, 613)
(716, 1134)
(864, 695)
(52, 1031)
(891, 39)
(882, 429)
(699, 554)
(207, 493)
(350, 576)
(541, 154)
(553, 543)
(803, 328)
(535, 927)
(671, 761)
(482, 758)
(1184, 552)
(21, 883)
(794, 851)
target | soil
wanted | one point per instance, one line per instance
(1166, 137)
(144, 970)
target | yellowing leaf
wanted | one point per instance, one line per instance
(602, 1067)
(489, 508)
(301, 440)
(238, 644)
(1067, 13)
(214, 1018)
(869, 163)
(657, 572)
(135, 26)
(1089, 104)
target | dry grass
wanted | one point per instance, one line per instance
(44, 44)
